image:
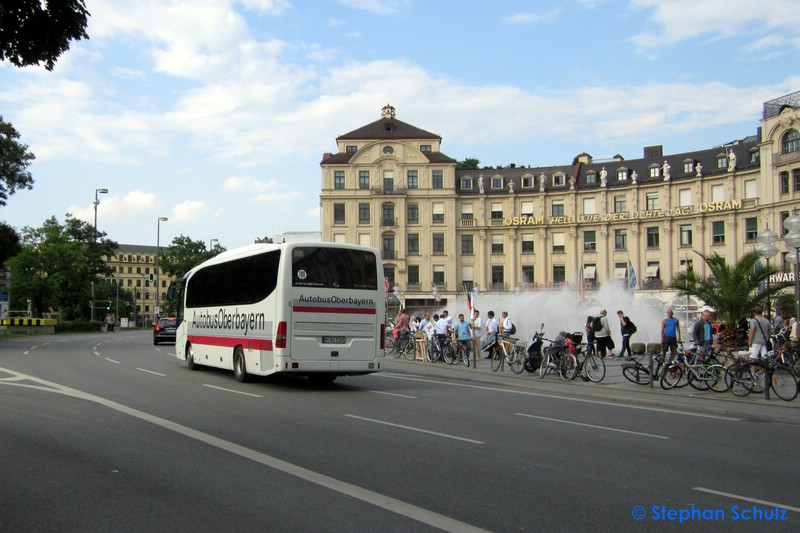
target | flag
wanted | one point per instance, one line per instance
(631, 277)
(470, 304)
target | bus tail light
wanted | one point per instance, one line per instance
(280, 336)
(383, 336)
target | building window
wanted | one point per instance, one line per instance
(438, 275)
(784, 216)
(620, 205)
(651, 201)
(791, 141)
(388, 246)
(466, 184)
(497, 244)
(527, 182)
(722, 161)
(412, 213)
(388, 180)
(387, 215)
(351, 149)
(755, 155)
(466, 212)
(589, 206)
(438, 213)
(750, 229)
(620, 240)
(557, 208)
(363, 179)
(527, 243)
(652, 238)
(363, 213)
(498, 278)
(559, 273)
(412, 178)
(526, 208)
(559, 180)
(655, 171)
(685, 235)
(438, 179)
(688, 167)
(591, 178)
(784, 182)
(717, 233)
(684, 197)
(622, 174)
(388, 273)
(497, 211)
(413, 244)
(497, 183)
(338, 179)
(467, 245)
(750, 189)
(338, 214)
(558, 243)
(413, 274)
(717, 193)
(527, 274)
(590, 241)
(424, 147)
(438, 243)
(796, 179)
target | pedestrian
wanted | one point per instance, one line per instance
(491, 332)
(627, 328)
(448, 320)
(507, 327)
(463, 332)
(758, 337)
(424, 325)
(703, 333)
(670, 336)
(401, 323)
(602, 334)
(477, 327)
(589, 329)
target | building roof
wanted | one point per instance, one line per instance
(389, 129)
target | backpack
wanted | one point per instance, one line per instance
(513, 329)
(632, 326)
(597, 325)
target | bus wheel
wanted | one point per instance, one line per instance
(190, 362)
(239, 368)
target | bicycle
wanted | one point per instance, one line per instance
(590, 366)
(748, 375)
(403, 346)
(457, 352)
(636, 372)
(557, 359)
(509, 352)
(701, 373)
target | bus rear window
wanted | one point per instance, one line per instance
(334, 268)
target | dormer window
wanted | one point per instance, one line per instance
(559, 180)
(622, 174)
(351, 149)
(388, 150)
(688, 166)
(497, 183)
(591, 178)
(655, 171)
(722, 161)
(424, 147)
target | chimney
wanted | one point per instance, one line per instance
(651, 152)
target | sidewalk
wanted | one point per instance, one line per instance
(613, 388)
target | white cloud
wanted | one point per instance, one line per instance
(188, 211)
(530, 17)
(378, 7)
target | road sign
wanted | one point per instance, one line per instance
(4, 296)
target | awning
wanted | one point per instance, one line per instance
(589, 272)
(620, 273)
(652, 272)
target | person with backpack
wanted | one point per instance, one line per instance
(628, 328)
(508, 327)
(589, 329)
(602, 334)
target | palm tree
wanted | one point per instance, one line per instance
(731, 290)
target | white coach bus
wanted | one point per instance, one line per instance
(313, 309)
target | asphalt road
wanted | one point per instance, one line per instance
(106, 432)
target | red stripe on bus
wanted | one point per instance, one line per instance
(230, 342)
(343, 310)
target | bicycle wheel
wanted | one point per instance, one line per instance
(517, 362)
(737, 378)
(464, 352)
(544, 366)
(388, 344)
(409, 350)
(595, 368)
(449, 354)
(720, 384)
(636, 373)
(434, 352)
(784, 383)
(697, 377)
(568, 367)
(497, 358)
(671, 377)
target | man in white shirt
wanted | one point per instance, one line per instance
(491, 329)
(507, 325)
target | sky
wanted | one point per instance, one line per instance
(216, 113)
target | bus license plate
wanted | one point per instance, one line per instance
(334, 340)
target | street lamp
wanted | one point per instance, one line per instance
(94, 239)
(792, 240)
(211, 244)
(158, 271)
(767, 250)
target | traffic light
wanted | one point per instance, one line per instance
(151, 278)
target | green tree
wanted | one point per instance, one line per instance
(33, 31)
(14, 161)
(57, 265)
(469, 163)
(184, 254)
(732, 290)
(9, 243)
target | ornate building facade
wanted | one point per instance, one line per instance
(442, 229)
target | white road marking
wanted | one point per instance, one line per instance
(390, 394)
(111, 361)
(593, 426)
(419, 430)
(151, 372)
(231, 390)
(556, 396)
(746, 499)
(393, 505)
